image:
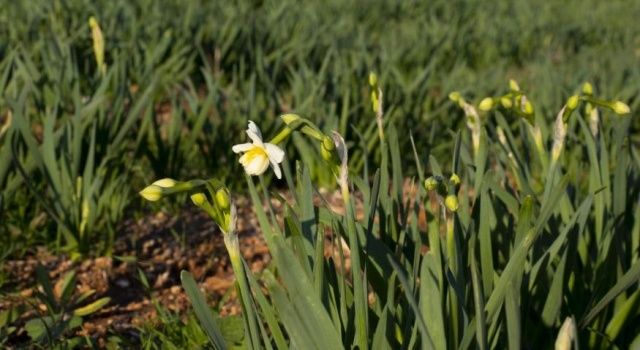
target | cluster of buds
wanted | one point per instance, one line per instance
(515, 100)
(445, 188)
(332, 148)
(209, 195)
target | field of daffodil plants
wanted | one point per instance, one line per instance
(319, 175)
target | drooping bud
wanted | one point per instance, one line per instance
(156, 190)
(151, 193)
(587, 89)
(620, 108)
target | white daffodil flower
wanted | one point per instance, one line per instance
(259, 155)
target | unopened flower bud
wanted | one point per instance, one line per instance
(572, 102)
(587, 89)
(222, 199)
(486, 104)
(451, 202)
(373, 79)
(165, 183)
(620, 108)
(155, 191)
(151, 193)
(506, 102)
(455, 180)
(454, 96)
(199, 199)
(527, 108)
(326, 148)
(289, 118)
(430, 184)
(513, 85)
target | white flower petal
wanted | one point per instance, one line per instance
(243, 147)
(254, 133)
(276, 169)
(276, 154)
(256, 166)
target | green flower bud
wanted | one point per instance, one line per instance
(587, 89)
(430, 184)
(166, 183)
(527, 108)
(222, 199)
(572, 102)
(451, 202)
(506, 102)
(620, 108)
(486, 104)
(156, 190)
(455, 96)
(151, 193)
(289, 118)
(455, 180)
(199, 199)
(373, 79)
(513, 85)
(327, 148)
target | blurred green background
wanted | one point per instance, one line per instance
(183, 78)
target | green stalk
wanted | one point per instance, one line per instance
(452, 258)
(233, 248)
(359, 291)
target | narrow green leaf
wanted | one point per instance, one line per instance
(202, 310)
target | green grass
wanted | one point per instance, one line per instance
(183, 78)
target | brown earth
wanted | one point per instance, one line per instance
(159, 246)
